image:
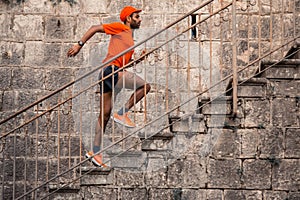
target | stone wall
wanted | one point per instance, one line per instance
(257, 153)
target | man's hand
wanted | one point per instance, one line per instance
(143, 53)
(73, 50)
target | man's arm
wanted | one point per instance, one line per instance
(76, 47)
(143, 55)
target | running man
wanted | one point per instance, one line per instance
(121, 39)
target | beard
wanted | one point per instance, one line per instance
(134, 25)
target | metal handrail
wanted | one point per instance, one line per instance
(259, 59)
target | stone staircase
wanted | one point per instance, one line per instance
(269, 101)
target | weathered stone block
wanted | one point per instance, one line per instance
(27, 78)
(57, 28)
(282, 72)
(152, 145)
(26, 97)
(34, 53)
(190, 172)
(194, 171)
(222, 121)
(292, 143)
(271, 142)
(193, 194)
(200, 194)
(68, 8)
(274, 195)
(175, 173)
(57, 78)
(164, 194)
(285, 112)
(294, 196)
(133, 193)
(242, 194)
(97, 7)
(38, 6)
(129, 178)
(94, 192)
(252, 90)
(9, 101)
(130, 159)
(5, 22)
(11, 53)
(216, 107)
(28, 27)
(224, 173)
(256, 174)
(249, 141)
(52, 54)
(41, 54)
(284, 88)
(5, 81)
(257, 113)
(286, 175)
(156, 178)
(227, 145)
(180, 125)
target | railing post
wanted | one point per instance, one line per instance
(234, 59)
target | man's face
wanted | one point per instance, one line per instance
(135, 21)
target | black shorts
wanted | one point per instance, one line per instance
(110, 82)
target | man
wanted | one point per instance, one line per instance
(121, 39)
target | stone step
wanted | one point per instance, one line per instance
(96, 176)
(253, 88)
(285, 69)
(155, 142)
(284, 88)
(134, 160)
(187, 124)
(222, 121)
(67, 192)
(163, 135)
(215, 106)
